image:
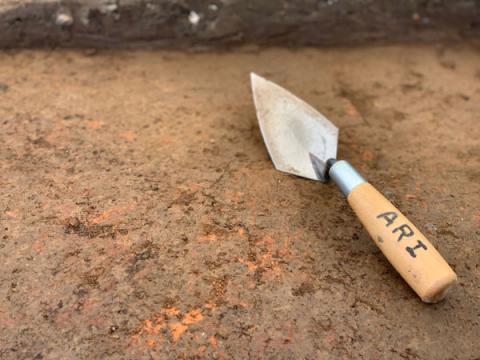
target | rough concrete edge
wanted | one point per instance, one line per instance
(185, 24)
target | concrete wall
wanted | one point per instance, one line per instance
(216, 23)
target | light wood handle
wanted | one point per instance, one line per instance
(407, 249)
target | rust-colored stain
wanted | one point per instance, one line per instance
(170, 311)
(12, 213)
(192, 317)
(210, 306)
(273, 249)
(350, 109)
(128, 135)
(208, 237)
(367, 155)
(149, 334)
(250, 264)
(153, 327)
(151, 343)
(114, 211)
(176, 330)
(94, 124)
(38, 246)
(151, 331)
(166, 140)
(476, 218)
(213, 341)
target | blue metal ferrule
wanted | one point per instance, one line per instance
(345, 176)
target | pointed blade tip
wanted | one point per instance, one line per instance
(255, 80)
(254, 76)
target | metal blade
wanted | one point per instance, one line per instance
(299, 139)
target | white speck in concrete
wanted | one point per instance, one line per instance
(213, 7)
(111, 7)
(151, 7)
(194, 18)
(64, 19)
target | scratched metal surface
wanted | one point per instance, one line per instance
(142, 218)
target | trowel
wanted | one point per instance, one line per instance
(303, 142)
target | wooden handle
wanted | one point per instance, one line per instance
(414, 257)
(407, 249)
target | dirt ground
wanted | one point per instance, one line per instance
(142, 218)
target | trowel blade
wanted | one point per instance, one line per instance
(299, 139)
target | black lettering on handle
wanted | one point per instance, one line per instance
(405, 231)
(389, 217)
(411, 251)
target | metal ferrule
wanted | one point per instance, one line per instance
(345, 176)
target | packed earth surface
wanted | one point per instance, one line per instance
(141, 216)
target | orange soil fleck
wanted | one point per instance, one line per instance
(210, 306)
(213, 341)
(176, 330)
(94, 124)
(152, 327)
(116, 210)
(350, 109)
(12, 213)
(367, 155)
(127, 135)
(150, 332)
(250, 265)
(192, 317)
(38, 246)
(208, 237)
(476, 218)
(268, 240)
(166, 140)
(170, 311)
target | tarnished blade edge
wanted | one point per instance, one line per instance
(320, 167)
